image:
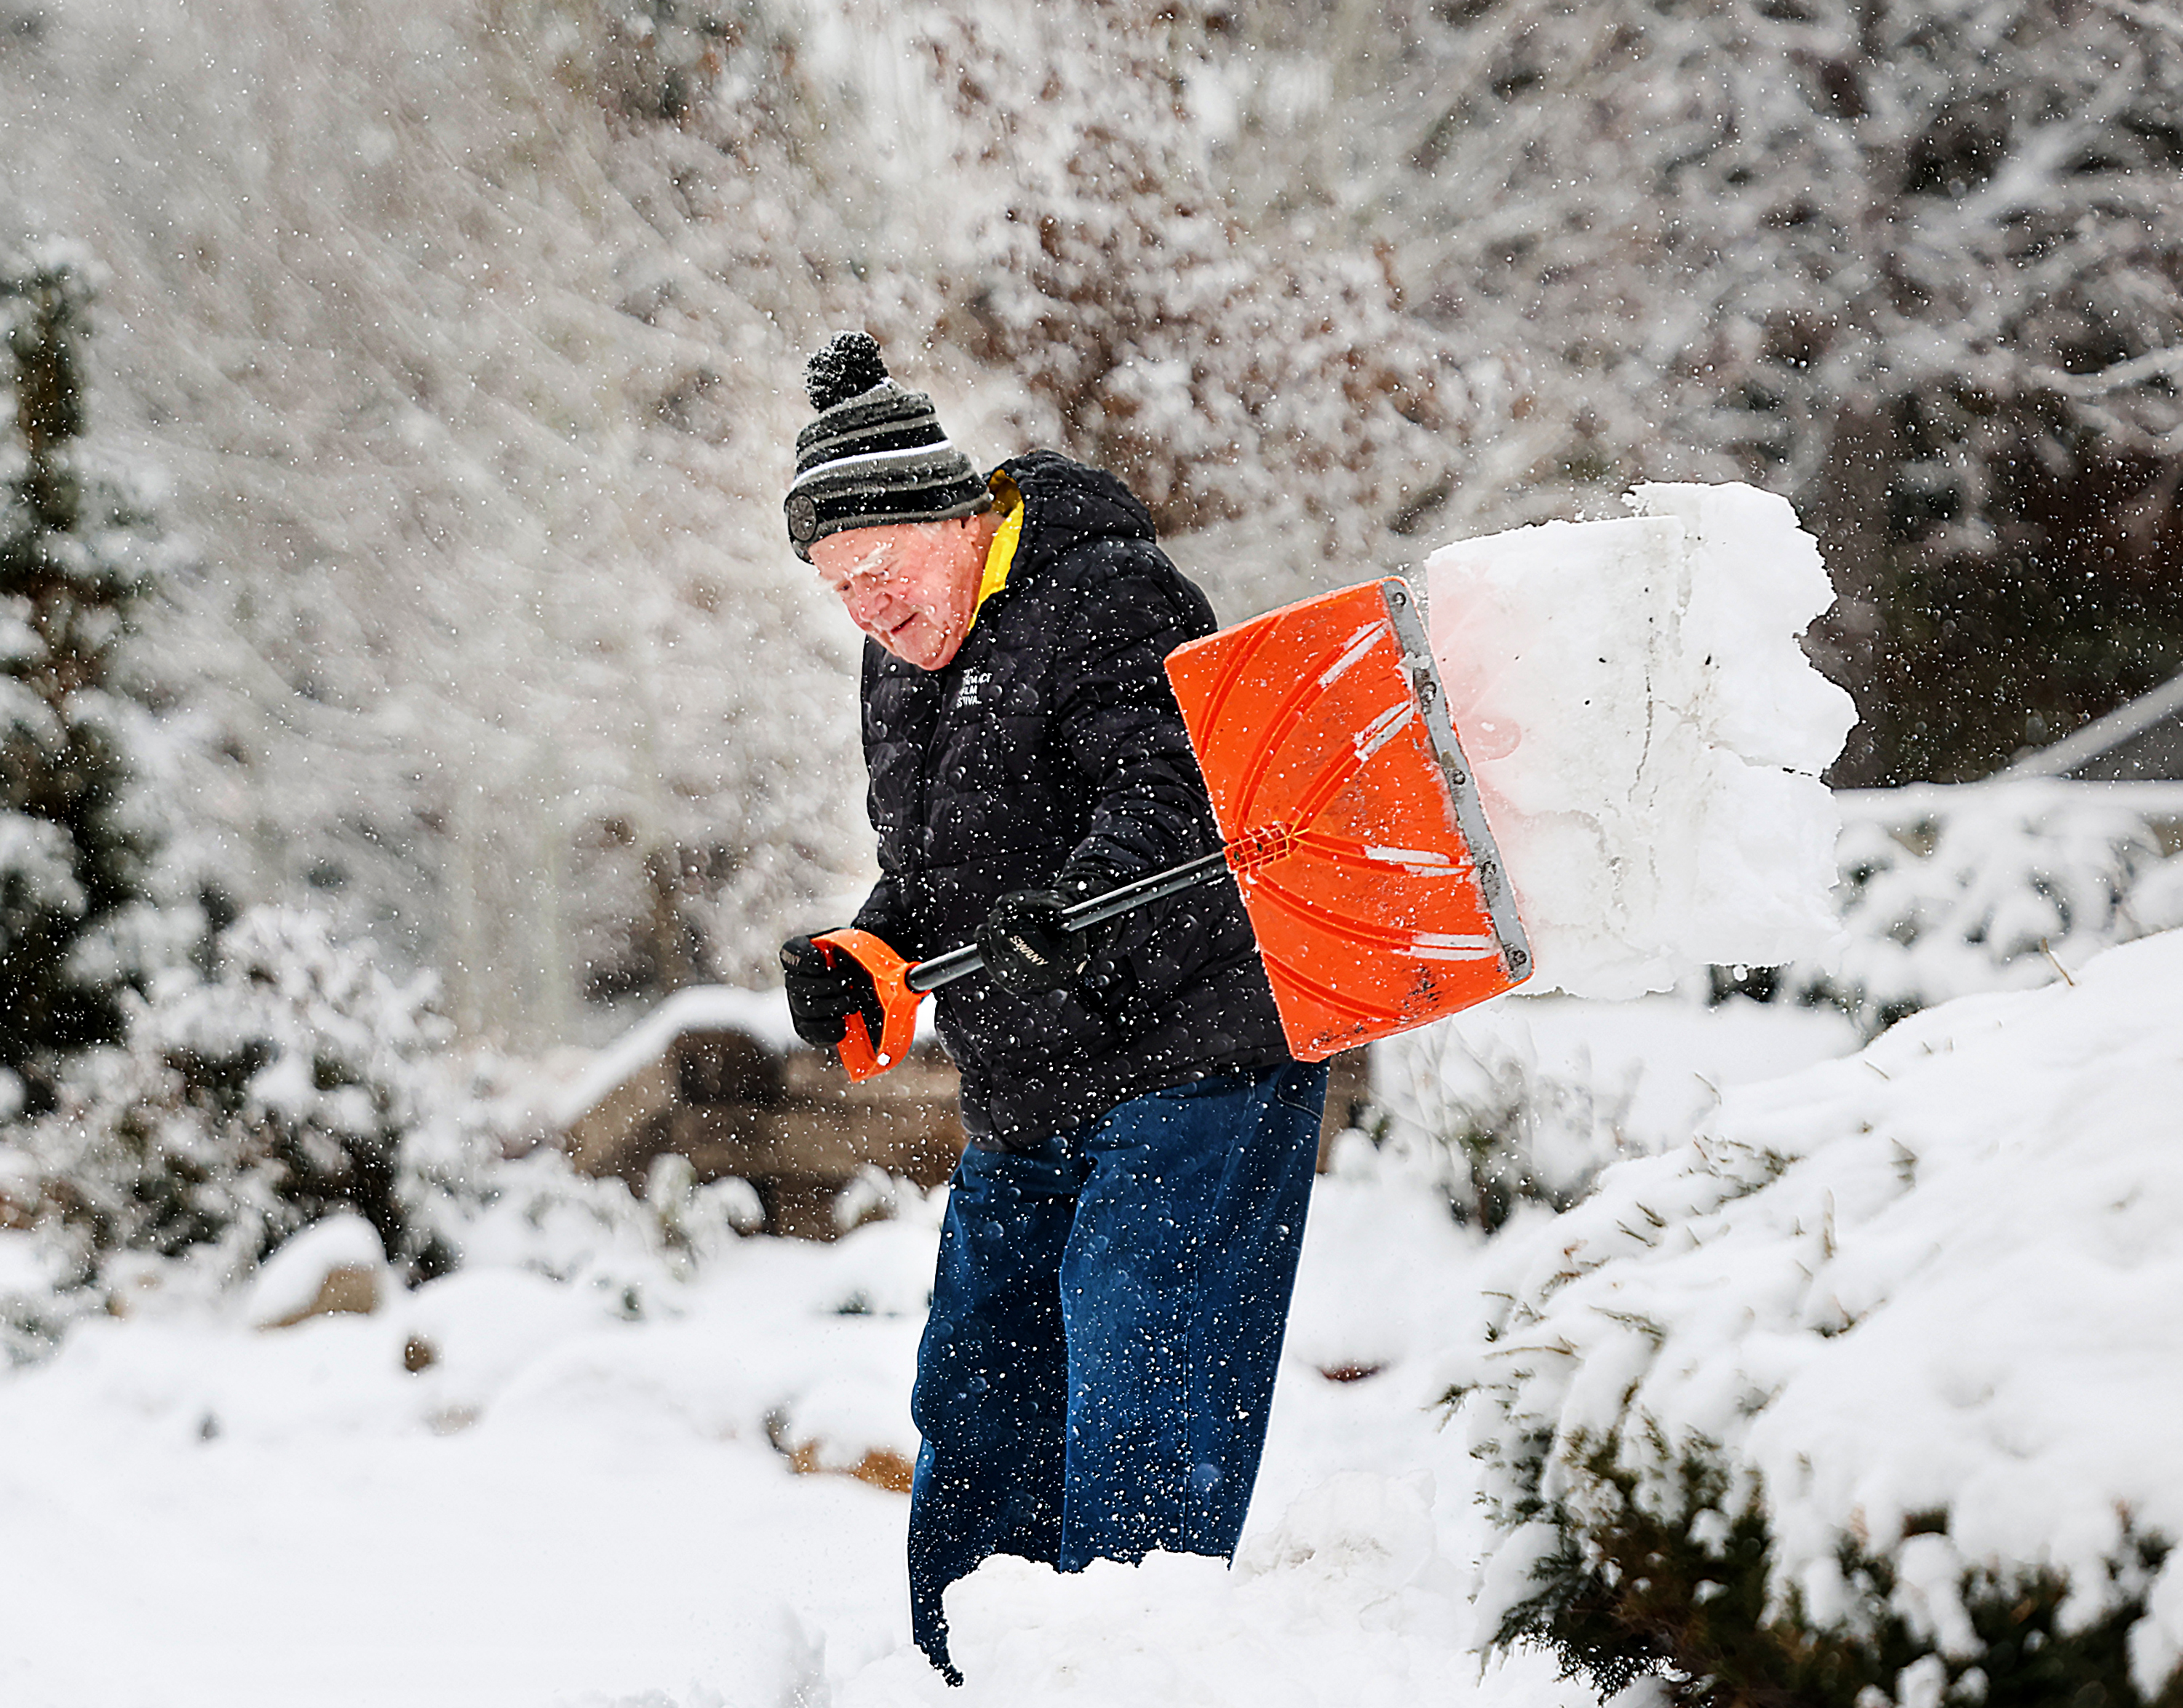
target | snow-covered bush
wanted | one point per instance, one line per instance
(1946, 892)
(1526, 1100)
(1492, 1128)
(537, 1213)
(1868, 1394)
(295, 1081)
(294, 1078)
(36, 1306)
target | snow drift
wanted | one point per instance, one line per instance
(1922, 1306)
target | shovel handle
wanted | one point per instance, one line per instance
(901, 985)
(862, 1054)
(960, 963)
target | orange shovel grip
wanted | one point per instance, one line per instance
(897, 1004)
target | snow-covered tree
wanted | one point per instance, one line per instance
(507, 663)
(79, 547)
(1912, 262)
(471, 335)
(1225, 371)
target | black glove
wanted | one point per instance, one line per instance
(1085, 878)
(827, 984)
(1026, 947)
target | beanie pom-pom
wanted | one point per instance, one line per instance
(845, 368)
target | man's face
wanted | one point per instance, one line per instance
(910, 586)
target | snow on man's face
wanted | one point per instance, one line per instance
(911, 586)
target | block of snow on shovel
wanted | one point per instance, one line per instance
(1648, 735)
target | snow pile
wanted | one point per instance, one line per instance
(295, 1280)
(1647, 734)
(762, 1015)
(1354, 1568)
(292, 1079)
(1926, 1301)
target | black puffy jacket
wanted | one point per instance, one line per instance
(1052, 738)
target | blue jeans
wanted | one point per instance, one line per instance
(1095, 1376)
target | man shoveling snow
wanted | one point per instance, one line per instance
(1122, 1233)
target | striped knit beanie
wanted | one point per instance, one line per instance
(876, 453)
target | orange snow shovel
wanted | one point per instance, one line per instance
(1352, 827)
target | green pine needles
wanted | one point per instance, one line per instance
(1678, 1588)
(78, 549)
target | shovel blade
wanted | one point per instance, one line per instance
(1351, 818)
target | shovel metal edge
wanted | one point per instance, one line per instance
(1423, 678)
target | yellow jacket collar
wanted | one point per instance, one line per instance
(1001, 555)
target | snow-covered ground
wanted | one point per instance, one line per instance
(622, 1490)
(572, 1505)
(587, 1496)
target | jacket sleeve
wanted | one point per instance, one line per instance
(886, 918)
(1149, 808)
(887, 913)
(1119, 724)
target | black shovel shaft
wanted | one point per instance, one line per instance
(959, 963)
